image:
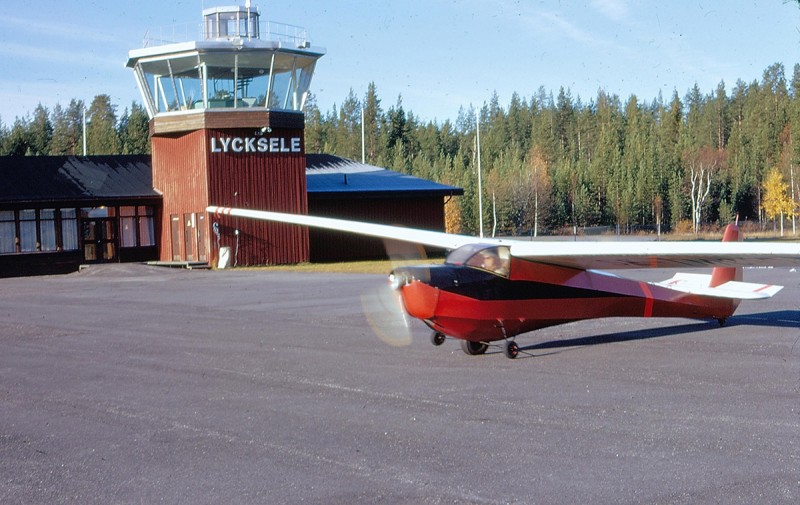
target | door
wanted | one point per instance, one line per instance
(175, 236)
(202, 247)
(99, 239)
(190, 239)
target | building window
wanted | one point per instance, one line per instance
(69, 230)
(102, 211)
(47, 229)
(8, 232)
(27, 230)
(137, 227)
(147, 234)
(127, 226)
(50, 230)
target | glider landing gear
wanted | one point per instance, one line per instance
(437, 338)
(511, 349)
(473, 348)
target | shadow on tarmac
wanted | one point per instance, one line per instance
(610, 338)
(776, 319)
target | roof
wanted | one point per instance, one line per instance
(43, 178)
(69, 178)
(328, 175)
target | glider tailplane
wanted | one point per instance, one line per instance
(724, 282)
(721, 275)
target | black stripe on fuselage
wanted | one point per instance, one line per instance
(480, 285)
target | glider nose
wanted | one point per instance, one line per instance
(419, 297)
(404, 276)
(397, 280)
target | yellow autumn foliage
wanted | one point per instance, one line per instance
(776, 202)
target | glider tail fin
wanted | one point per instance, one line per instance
(721, 275)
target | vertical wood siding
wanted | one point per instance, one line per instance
(264, 181)
(191, 177)
(179, 174)
(417, 212)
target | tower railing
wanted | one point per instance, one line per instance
(293, 35)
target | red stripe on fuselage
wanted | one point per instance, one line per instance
(648, 299)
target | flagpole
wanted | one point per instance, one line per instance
(84, 129)
(480, 187)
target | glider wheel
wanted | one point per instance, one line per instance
(511, 349)
(437, 338)
(473, 348)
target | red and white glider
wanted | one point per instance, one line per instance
(491, 290)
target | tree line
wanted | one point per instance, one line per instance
(548, 161)
(60, 131)
(554, 161)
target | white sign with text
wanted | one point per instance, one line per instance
(255, 145)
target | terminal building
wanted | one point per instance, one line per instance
(227, 129)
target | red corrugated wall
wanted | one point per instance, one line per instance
(192, 170)
(193, 173)
(264, 181)
(179, 173)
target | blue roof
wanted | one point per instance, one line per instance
(328, 175)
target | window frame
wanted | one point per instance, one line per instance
(14, 243)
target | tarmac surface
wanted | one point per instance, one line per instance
(136, 384)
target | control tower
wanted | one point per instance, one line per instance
(226, 126)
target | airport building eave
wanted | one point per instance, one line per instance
(202, 46)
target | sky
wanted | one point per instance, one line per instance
(438, 55)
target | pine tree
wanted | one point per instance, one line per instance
(58, 144)
(315, 127)
(40, 132)
(3, 134)
(134, 131)
(101, 132)
(17, 142)
(347, 136)
(373, 119)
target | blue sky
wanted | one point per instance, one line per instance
(438, 54)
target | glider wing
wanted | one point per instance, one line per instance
(623, 255)
(582, 255)
(417, 236)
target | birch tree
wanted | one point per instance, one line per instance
(777, 202)
(701, 166)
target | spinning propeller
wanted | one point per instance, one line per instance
(383, 306)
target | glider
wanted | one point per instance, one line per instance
(491, 290)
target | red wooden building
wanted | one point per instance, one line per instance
(60, 212)
(227, 129)
(200, 159)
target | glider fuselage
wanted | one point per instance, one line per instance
(473, 304)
